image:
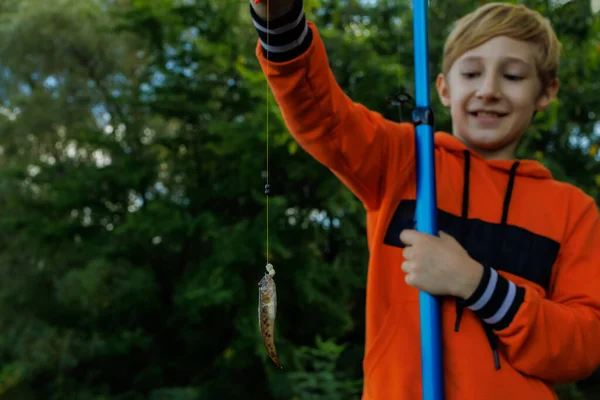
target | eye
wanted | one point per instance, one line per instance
(470, 75)
(511, 77)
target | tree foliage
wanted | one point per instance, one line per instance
(133, 156)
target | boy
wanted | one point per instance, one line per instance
(518, 261)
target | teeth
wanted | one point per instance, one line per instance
(487, 114)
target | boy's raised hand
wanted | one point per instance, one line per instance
(277, 8)
(439, 265)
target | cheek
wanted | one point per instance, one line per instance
(463, 93)
(524, 100)
(523, 108)
(523, 96)
(460, 100)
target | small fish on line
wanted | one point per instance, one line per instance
(267, 309)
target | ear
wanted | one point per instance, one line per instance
(443, 89)
(548, 95)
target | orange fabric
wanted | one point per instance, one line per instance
(554, 335)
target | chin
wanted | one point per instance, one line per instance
(487, 145)
(486, 142)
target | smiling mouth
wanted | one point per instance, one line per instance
(487, 114)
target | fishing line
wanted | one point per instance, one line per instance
(267, 186)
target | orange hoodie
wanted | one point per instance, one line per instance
(537, 308)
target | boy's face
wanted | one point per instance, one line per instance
(493, 91)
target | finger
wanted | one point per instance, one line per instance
(449, 238)
(410, 280)
(445, 236)
(408, 252)
(408, 267)
(409, 236)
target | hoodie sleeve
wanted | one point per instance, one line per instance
(556, 338)
(352, 141)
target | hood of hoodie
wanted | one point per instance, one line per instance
(527, 168)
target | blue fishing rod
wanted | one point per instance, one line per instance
(426, 208)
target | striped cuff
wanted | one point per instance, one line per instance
(496, 300)
(287, 37)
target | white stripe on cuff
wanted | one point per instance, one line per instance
(508, 300)
(489, 291)
(286, 47)
(281, 29)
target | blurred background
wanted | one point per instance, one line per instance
(132, 206)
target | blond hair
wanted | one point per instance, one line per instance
(500, 19)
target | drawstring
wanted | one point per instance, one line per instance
(463, 226)
(492, 338)
(509, 190)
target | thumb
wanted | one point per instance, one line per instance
(445, 236)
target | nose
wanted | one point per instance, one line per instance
(489, 89)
